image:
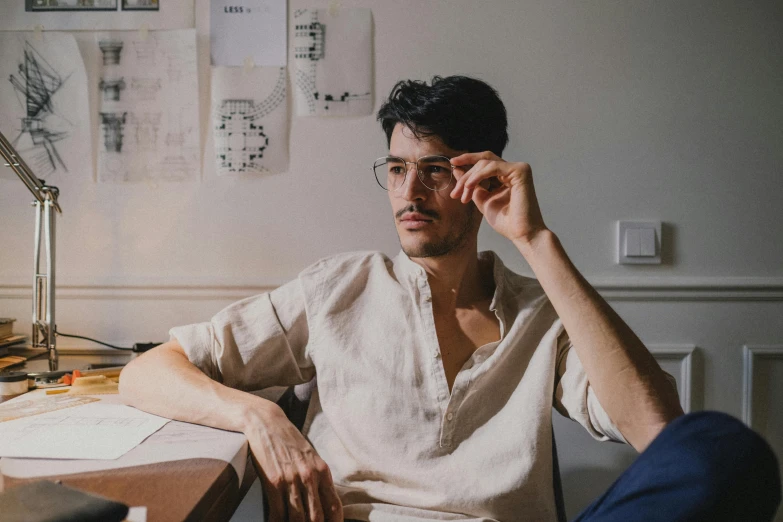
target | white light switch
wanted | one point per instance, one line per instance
(633, 246)
(647, 242)
(639, 242)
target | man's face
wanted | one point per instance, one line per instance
(429, 223)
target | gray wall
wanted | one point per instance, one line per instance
(662, 110)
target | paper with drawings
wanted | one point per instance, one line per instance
(332, 62)
(250, 119)
(148, 107)
(92, 431)
(175, 441)
(44, 111)
(253, 29)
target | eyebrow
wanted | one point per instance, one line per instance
(390, 155)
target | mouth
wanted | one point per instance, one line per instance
(414, 224)
(415, 221)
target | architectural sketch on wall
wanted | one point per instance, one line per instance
(111, 50)
(149, 107)
(332, 62)
(145, 128)
(250, 120)
(43, 102)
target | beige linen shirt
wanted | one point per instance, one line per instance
(400, 447)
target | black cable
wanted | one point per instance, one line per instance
(93, 340)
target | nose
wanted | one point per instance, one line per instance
(412, 188)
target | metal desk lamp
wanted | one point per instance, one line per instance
(44, 334)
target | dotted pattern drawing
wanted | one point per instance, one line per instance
(240, 140)
(309, 53)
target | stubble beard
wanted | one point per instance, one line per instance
(440, 247)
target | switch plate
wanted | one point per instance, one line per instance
(639, 242)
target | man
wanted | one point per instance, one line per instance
(437, 370)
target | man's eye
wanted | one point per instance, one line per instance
(395, 170)
(435, 170)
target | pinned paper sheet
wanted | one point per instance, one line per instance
(249, 119)
(92, 431)
(44, 109)
(149, 121)
(332, 61)
(255, 28)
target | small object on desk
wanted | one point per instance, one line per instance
(11, 340)
(112, 372)
(57, 391)
(46, 501)
(10, 360)
(6, 327)
(13, 383)
(46, 379)
(23, 407)
(93, 385)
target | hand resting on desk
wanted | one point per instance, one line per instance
(295, 480)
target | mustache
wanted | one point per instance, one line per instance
(419, 210)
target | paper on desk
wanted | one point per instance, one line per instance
(92, 431)
(175, 441)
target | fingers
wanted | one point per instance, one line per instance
(330, 500)
(473, 157)
(311, 476)
(297, 483)
(274, 496)
(481, 171)
(296, 512)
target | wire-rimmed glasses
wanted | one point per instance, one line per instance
(435, 172)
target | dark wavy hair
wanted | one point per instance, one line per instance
(465, 113)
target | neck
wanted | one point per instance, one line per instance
(457, 279)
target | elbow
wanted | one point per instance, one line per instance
(136, 377)
(644, 435)
(128, 377)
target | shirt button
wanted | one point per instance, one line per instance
(428, 298)
(450, 416)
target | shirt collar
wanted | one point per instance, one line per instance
(413, 270)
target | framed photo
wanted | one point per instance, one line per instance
(71, 5)
(140, 5)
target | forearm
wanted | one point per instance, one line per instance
(164, 382)
(627, 380)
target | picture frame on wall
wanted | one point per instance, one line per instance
(71, 5)
(140, 5)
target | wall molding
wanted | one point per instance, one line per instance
(682, 353)
(612, 289)
(751, 356)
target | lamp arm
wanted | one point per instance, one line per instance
(31, 181)
(44, 325)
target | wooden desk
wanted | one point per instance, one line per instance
(184, 490)
(195, 489)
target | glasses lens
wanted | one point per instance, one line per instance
(435, 172)
(389, 172)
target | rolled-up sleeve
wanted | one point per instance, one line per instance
(255, 343)
(575, 398)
